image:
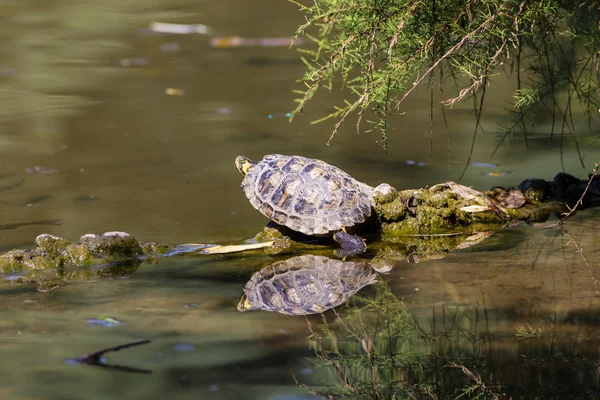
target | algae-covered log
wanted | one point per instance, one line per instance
(411, 225)
(450, 208)
(419, 224)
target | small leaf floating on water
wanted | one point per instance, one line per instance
(97, 359)
(105, 322)
(36, 169)
(484, 165)
(224, 42)
(413, 162)
(497, 173)
(174, 92)
(179, 29)
(184, 347)
(287, 115)
(133, 62)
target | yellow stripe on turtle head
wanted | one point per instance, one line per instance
(243, 164)
(244, 304)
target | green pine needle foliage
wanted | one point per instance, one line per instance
(381, 51)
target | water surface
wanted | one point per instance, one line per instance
(91, 143)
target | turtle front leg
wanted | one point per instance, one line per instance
(351, 245)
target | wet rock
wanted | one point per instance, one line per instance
(12, 261)
(535, 190)
(384, 193)
(79, 254)
(569, 189)
(154, 248)
(56, 260)
(112, 243)
(50, 244)
(511, 198)
(395, 210)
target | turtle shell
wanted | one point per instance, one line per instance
(306, 284)
(307, 195)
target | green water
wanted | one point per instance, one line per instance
(114, 152)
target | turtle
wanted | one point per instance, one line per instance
(306, 284)
(308, 196)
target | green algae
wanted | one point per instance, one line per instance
(436, 210)
(119, 244)
(56, 261)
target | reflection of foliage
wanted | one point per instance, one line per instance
(377, 349)
(478, 389)
(526, 333)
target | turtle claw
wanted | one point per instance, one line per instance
(351, 245)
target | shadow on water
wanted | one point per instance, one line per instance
(97, 359)
(5, 227)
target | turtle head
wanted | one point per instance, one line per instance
(243, 164)
(244, 304)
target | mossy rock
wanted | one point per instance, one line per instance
(119, 244)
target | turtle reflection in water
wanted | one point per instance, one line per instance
(306, 284)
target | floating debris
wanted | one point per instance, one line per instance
(178, 29)
(484, 165)
(170, 47)
(174, 92)
(236, 41)
(271, 116)
(218, 249)
(186, 248)
(413, 162)
(36, 169)
(107, 322)
(191, 305)
(184, 347)
(133, 62)
(497, 173)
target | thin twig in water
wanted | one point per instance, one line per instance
(580, 201)
(580, 251)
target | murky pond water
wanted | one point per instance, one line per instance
(105, 126)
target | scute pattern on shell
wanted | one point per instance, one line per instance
(307, 195)
(307, 284)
